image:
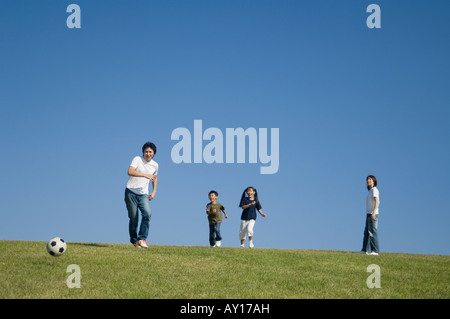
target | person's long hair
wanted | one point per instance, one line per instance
(254, 196)
(374, 181)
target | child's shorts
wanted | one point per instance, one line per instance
(246, 228)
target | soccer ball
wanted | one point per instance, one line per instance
(56, 246)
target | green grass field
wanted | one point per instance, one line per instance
(185, 272)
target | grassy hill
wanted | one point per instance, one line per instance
(179, 272)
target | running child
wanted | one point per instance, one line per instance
(250, 205)
(214, 211)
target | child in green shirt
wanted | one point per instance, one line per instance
(213, 210)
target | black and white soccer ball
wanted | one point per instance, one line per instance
(56, 246)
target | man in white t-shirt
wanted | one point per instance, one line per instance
(142, 170)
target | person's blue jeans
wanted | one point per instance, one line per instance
(134, 203)
(370, 241)
(214, 233)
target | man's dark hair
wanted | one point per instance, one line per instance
(151, 145)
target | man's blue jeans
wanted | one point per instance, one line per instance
(370, 241)
(214, 234)
(134, 203)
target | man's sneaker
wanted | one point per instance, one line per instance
(372, 253)
(137, 245)
(250, 244)
(218, 243)
(143, 243)
(241, 246)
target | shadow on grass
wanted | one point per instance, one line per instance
(90, 244)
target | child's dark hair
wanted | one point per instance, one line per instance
(151, 145)
(213, 192)
(254, 196)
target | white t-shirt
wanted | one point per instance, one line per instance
(370, 200)
(139, 185)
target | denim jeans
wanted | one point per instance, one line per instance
(370, 241)
(134, 203)
(214, 233)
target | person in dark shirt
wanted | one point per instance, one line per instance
(250, 205)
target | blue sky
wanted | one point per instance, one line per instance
(78, 104)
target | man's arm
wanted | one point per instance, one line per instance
(154, 183)
(132, 172)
